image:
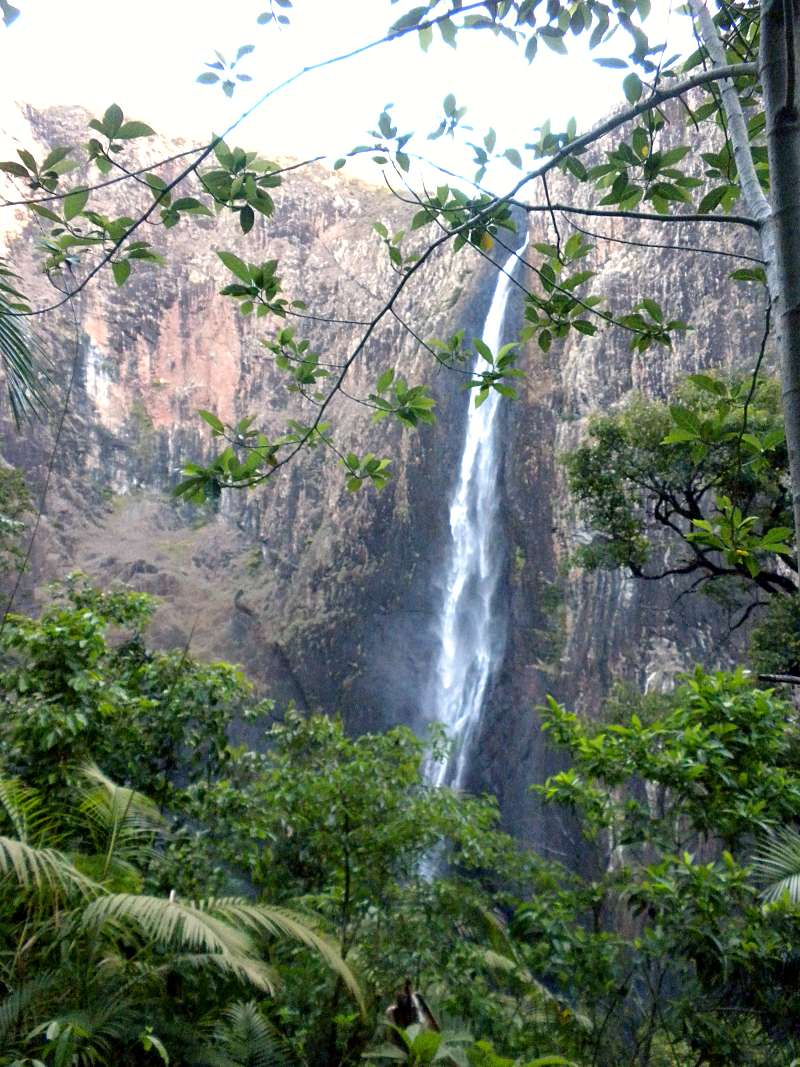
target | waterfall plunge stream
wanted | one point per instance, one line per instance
(472, 632)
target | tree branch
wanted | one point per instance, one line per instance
(656, 244)
(779, 679)
(205, 152)
(627, 115)
(640, 216)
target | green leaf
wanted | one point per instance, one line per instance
(54, 157)
(236, 266)
(448, 31)
(653, 309)
(554, 39)
(112, 120)
(75, 203)
(213, 421)
(121, 269)
(749, 274)
(483, 349)
(189, 203)
(409, 20)
(129, 130)
(685, 419)
(632, 87)
(712, 199)
(777, 533)
(208, 78)
(28, 160)
(677, 437)
(708, 384)
(14, 168)
(513, 157)
(385, 380)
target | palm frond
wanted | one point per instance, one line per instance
(13, 1007)
(24, 363)
(123, 822)
(121, 800)
(91, 1034)
(41, 869)
(183, 927)
(541, 1006)
(27, 812)
(203, 961)
(776, 865)
(280, 922)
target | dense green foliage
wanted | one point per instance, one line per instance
(329, 841)
(136, 930)
(693, 963)
(348, 828)
(699, 489)
(706, 474)
(87, 902)
(72, 694)
(15, 503)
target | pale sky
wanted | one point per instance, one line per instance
(146, 56)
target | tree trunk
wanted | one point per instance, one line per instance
(779, 73)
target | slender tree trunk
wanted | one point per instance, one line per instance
(779, 72)
(779, 217)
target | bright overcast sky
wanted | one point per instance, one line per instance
(146, 56)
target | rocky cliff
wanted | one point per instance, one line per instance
(328, 598)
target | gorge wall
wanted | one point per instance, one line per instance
(328, 598)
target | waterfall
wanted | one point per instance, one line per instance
(472, 632)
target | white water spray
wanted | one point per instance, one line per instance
(472, 632)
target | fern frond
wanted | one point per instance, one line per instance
(246, 1039)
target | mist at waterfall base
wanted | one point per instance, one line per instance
(471, 631)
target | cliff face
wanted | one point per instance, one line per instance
(573, 634)
(334, 588)
(328, 598)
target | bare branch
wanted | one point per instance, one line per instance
(656, 244)
(639, 216)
